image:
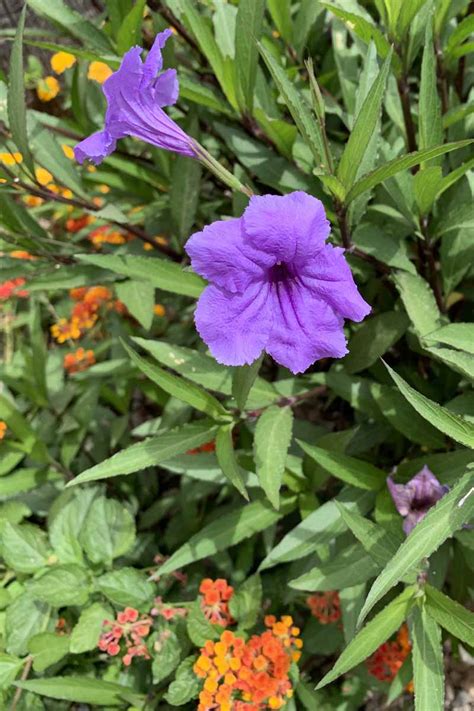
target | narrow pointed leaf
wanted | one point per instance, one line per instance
(272, 439)
(456, 619)
(428, 663)
(362, 475)
(227, 459)
(16, 95)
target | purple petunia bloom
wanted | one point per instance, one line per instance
(414, 499)
(275, 285)
(135, 95)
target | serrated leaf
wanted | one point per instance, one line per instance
(429, 110)
(457, 335)
(139, 298)
(150, 452)
(167, 655)
(375, 632)
(364, 29)
(113, 525)
(87, 630)
(16, 95)
(129, 33)
(24, 617)
(373, 339)
(379, 543)
(199, 628)
(428, 663)
(272, 439)
(60, 586)
(419, 302)
(186, 685)
(440, 417)
(456, 619)
(127, 587)
(246, 603)
(227, 460)
(356, 472)
(47, 649)
(81, 689)
(9, 668)
(349, 567)
(24, 547)
(243, 379)
(441, 521)
(247, 32)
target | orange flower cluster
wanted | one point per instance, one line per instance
(85, 312)
(207, 447)
(3, 429)
(106, 235)
(215, 596)
(80, 360)
(129, 628)
(21, 254)
(386, 661)
(168, 612)
(12, 287)
(325, 606)
(75, 224)
(249, 676)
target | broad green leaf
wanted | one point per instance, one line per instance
(408, 10)
(441, 521)
(246, 602)
(297, 106)
(19, 221)
(129, 33)
(167, 656)
(384, 247)
(24, 547)
(203, 95)
(227, 460)
(373, 339)
(356, 472)
(186, 684)
(396, 165)
(440, 417)
(16, 95)
(198, 627)
(24, 618)
(47, 649)
(349, 567)
(90, 625)
(139, 298)
(457, 335)
(243, 380)
(9, 668)
(61, 586)
(426, 187)
(150, 452)
(184, 390)
(464, 29)
(247, 32)
(226, 531)
(419, 302)
(428, 663)
(375, 632)
(72, 23)
(127, 587)
(455, 618)
(363, 129)
(81, 689)
(110, 523)
(272, 439)
(307, 15)
(379, 543)
(429, 110)
(65, 523)
(161, 273)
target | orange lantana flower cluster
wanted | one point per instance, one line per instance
(85, 312)
(252, 675)
(80, 360)
(106, 235)
(128, 630)
(12, 287)
(325, 606)
(386, 661)
(215, 596)
(3, 429)
(75, 224)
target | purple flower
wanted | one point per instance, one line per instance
(275, 285)
(413, 500)
(135, 95)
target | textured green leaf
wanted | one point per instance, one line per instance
(24, 618)
(441, 521)
(47, 649)
(127, 587)
(186, 685)
(87, 630)
(110, 523)
(9, 668)
(356, 472)
(456, 619)
(280, 11)
(373, 339)
(81, 689)
(429, 110)
(247, 32)
(129, 33)
(419, 302)
(246, 603)
(242, 381)
(227, 460)
(272, 439)
(167, 657)
(61, 586)
(379, 543)
(363, 29)
(16, 95)
(349, 567)
(139, 298)
(198, 627)
(24, 547)
(428, 663)
(73, 24)
(457, 335)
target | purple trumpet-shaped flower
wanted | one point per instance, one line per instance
(414, 499)
(275, 285)
(135, 94)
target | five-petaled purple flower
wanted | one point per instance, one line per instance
(414, 499)
(135, 95)
(275, 285)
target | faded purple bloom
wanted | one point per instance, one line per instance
(135, 95)
(275, 285)
(414, 499)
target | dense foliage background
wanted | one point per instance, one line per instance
(192, 504)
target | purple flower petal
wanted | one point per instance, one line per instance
(219, 254)
(414, 499)
(95, 147)
(290, 227)
(402, 496)
(236, 327)
(329, 275)
(305, 328)
(154, 61)
(167, 88)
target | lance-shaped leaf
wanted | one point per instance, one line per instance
(362, 475)
(429, 112)
(428, 663)
(227, 460)
(272, 439)
(16, 95)
(247, 32)
(455, 618)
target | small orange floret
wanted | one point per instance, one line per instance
(78, 361)
(10, 159)
(48, 88)
(43, 176)
(159, 310)
(75, 224)
(385, 663)
(68, 151)
(21, 254)
(60, 61)
(215, 595)
(12, 287)
(3, 429)
(65, 330)
(99, 72)
(106, 235)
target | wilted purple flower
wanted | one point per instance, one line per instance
(414, 499)
(135, 95)
(276, 286)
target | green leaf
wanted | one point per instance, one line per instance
(129, 33)
(272, 439)
(110, 523)
(280, 10)
(81, 689)
(186, 685)
(185, 187)
(426, 186)
(16, 95)
(87, 630)
(349, 567)
(62, 585)
(408, 10)
(167, 655)
(248, 30)
(297, 106)
(457, 335)
(9, 668)
(47, 649)
(379, 543)
(24, 618)
(73, 24)
(440, 417)
(243, 380)
(198, 627)
(419, 302)
(184, 390)
(227, 459)
(429, 111)
(441, 521)
(375, 632)
(374, 338)
(464, 29)
(150, 452)
(356, 472)
(224, 532)
(246, 603)
(127, 587)
(428, 663)
(162, 274)
(66, 523)
(379, 175)
(364, 128)
(455, 618)
(386, 248)
(24, 547)
(139, 298)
